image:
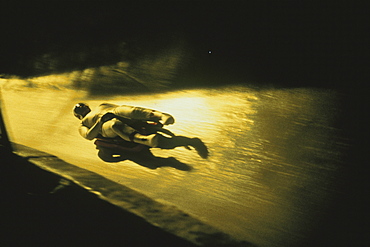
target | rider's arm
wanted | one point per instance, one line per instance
(91, 133)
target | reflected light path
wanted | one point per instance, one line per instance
(274, 154)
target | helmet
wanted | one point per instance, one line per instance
(80, 110)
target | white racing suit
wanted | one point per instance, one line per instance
(117, 127)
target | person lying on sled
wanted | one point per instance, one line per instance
(108, 120)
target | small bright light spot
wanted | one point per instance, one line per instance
(209, 51)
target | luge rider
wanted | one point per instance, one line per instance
(105, 121)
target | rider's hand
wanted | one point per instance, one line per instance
(107, 116)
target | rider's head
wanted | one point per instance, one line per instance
(80, 110)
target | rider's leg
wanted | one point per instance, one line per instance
(148, 140)
(115, 128)
(140, 113)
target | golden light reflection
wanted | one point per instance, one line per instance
(205, 113)
(208, 114)
(58, 80)
(255, 162)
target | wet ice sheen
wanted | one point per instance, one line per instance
(274, 154)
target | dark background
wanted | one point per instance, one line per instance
(292, 43)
